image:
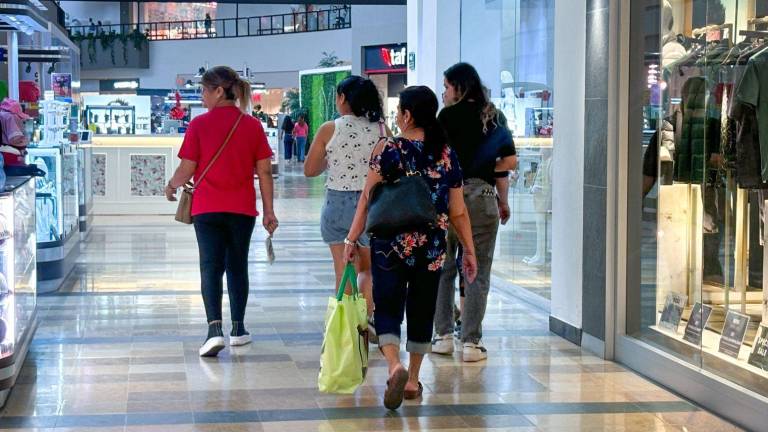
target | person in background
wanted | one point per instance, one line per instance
(406, 267)
(468, 120)
(208, 24)
(342, 147)
(224, 205)
(91, 26)
(14, 142)
(288, 141)
(300, 132)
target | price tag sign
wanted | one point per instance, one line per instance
(697, 322)
(673, 312)
(733, 333)
(759, 355)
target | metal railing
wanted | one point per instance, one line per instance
(335, 18)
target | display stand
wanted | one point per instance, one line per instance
(18, 290)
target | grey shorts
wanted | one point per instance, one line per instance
(336, 219)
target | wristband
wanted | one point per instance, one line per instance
(349, 242)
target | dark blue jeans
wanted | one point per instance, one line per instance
(399, 290)
(288, 146)
(223, 240)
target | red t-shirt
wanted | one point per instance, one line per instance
(229, 186)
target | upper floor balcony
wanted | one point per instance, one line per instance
(333, 18)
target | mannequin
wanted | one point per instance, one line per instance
(542, 202)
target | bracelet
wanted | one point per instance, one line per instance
(349, 242)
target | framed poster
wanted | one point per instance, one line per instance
(759, 355)
(61, 84)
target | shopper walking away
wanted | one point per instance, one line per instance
(300, 132)
(406, 266)
(224, 205)
(343, 147)
(208, 24)
(288, 141)
(468, 120)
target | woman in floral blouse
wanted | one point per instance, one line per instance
(406, 267)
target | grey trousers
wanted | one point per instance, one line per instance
(483, 210)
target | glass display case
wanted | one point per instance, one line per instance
(57, 192)
(17, 265)
(111, 119)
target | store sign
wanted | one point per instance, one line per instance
(673, 312)
(697, 322)
(759, 355)
(733, 333)
(384, 59)
(412, 61)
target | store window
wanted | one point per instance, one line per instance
(703, 294)
(170, 12)
(511, 44)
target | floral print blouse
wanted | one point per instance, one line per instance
(401, 155)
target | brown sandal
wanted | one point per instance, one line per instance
(393, 395)
(414, 394)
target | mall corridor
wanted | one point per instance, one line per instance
(116, 350)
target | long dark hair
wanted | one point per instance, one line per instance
(465, 79)
(235, 88)
(421, 102)
(362, 96)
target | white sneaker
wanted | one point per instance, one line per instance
(474, 352)
(212, 346)
(240, 340)
(442, 344)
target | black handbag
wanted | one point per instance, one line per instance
(400, 206)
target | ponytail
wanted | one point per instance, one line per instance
(235, 88)
(242, 90)
(434, 139)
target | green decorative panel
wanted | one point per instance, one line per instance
(318, 97)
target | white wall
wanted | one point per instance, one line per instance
(568, 162)
(376, 25)
(106, 11)
(481, 37)
(278, 58)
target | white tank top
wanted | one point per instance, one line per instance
(348, 152)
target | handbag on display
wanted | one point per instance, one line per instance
(402, 205)
(184, 210)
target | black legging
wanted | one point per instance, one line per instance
(223, 240)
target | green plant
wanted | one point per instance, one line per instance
(292, 102)
(107, 41)
(329, 59)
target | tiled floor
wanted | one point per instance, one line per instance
(117, 351)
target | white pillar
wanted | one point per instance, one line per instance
(568, 162)
(13, 65)
(434, 35)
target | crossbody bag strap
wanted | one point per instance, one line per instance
(218, 153)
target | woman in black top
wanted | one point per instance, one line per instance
(484, 146)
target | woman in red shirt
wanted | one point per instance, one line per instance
(224, 205)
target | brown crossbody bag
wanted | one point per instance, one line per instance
(184, 211)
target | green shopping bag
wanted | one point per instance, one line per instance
(344, 355)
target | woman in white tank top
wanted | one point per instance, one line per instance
(342, 148)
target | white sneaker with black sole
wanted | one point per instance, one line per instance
(212, 346)
(443, 344)
(472, 352)
(240, 340)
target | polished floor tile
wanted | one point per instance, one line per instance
(116, 350)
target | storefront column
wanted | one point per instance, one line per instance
(434, 35)
(13, 65)
(568, 166)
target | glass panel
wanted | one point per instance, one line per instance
(511, 43)
(701, 296)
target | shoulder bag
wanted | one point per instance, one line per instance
(402, 205)
(184, 211)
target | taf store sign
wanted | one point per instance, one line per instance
(385, 59)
